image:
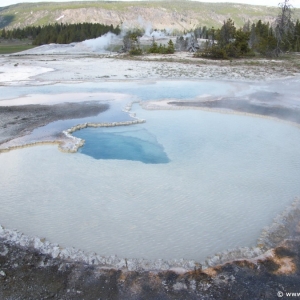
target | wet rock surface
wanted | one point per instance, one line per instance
(17, 121)
(27, 274)
(283, 113)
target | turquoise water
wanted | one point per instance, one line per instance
(135, 145)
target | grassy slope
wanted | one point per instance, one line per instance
(208, 13)
(8, 47)
(14, 48)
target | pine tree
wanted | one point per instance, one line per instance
(227, 33)
(154, 47)
(3, 34)
(170, 49)
(284, 27)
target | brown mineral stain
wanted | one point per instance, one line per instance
(245, 264)
(154, 279)
(286, 265)
(122, 277)
(210, 271)
(280, 261)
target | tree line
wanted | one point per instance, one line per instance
(60, 33)
(264, 38)
(259, 37)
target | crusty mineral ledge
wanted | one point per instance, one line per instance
(72, 144)
(67, 142)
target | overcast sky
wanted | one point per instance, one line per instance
(295, 3)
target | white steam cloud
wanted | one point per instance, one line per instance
(102, 43)
(149, 32)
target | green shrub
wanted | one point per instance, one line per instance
(214, 52)
(154, 48)
(162, 49)
(136, 51)
(170, 48)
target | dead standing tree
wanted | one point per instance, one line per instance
(193, 45)
(188, 44)
(181, 44)
(284, 26)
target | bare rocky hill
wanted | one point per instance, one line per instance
(181, 15)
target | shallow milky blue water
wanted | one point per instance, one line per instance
(183, 184)
(145, 90)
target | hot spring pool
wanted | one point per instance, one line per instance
(194, 183)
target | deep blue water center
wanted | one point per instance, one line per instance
(125, 145)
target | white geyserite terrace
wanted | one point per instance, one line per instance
(17, 73)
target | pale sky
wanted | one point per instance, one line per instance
(295, 3)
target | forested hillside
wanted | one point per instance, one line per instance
(59, 33)
(181, 15)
